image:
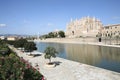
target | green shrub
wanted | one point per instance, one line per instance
(17, 69)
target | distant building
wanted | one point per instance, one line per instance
(111, 30)
(11, 38)
(90, 27)
(86, 26)
(2, 37)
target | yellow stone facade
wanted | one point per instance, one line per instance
(86, 26)
(111, 30)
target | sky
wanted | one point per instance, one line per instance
(43, 16)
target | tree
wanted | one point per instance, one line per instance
(61, 34)
(11, 42)
(51, 35)
(4, 50)
(20, 43)
(49, 53)
(30, 46)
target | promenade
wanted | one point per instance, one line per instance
(68, 70)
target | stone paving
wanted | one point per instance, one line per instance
(69, 70)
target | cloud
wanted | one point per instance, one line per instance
(3, 25)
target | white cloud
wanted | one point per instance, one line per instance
(3, 25)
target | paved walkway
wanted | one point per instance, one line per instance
(69, 70)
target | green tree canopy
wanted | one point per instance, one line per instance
(20, 43)
(4, 50)
(61, 34)
(30, 46)
(49, 53)
(51, 35)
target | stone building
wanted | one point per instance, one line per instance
(2, 37)
(111, 30)
(85, 27)
(11, 38)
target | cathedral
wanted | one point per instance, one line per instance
(84, 27)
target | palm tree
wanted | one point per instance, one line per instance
(49, 53)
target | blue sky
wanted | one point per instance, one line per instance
(43, 16)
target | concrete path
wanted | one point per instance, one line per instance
(69, 70)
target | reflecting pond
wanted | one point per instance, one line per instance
(99, 56)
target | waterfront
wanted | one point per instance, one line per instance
(100, 56)
(68, 70)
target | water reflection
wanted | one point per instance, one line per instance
(91, 54)
(59, 47)
(112, 54)
(104, 57)
(83, 53)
